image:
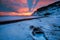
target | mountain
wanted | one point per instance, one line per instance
(52, 9)
(50, 20)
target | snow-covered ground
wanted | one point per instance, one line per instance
(20, 31)
(51, 22)
(9, 18)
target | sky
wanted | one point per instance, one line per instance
(22, 7)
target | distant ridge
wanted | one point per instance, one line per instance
(51, 17)
(51, 5)
(45, 9)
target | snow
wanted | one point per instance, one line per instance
(9, 18)
(19, 30)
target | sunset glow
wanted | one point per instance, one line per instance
(15, 14)
(22, 7)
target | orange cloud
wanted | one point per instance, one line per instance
(15, 14)
(16, 1)
(23, 9)
(21, 6)
(23, 1)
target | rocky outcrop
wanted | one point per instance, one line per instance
(50, 20)
(52, 9)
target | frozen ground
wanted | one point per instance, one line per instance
(49, 26)
(20, 31)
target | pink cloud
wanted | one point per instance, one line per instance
(21, 6)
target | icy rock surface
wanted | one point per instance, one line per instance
(21, 31)
(50, 21)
